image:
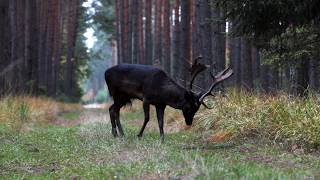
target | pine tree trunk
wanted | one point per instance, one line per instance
(314, 74)
(43, 5)
(49, 48)
(218, 39)
(236, 60)
(185, 46)
(196, 39)
(148, 33)
(57, 45)
(71, 40)
(176, 41)
(118, 31)
(255, 56)
(141, 59)
(302, 78)
(27, 45)
(123, 35)
(4, 44)
(166, 36)
(34, 31)
(127, 32)
(134, 19)
(264, 76)
(246, 65)
(157, 59)
(205, 32)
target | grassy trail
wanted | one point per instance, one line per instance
(80, 146)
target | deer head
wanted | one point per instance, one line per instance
(195, 100)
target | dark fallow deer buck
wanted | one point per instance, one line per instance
(154, 87)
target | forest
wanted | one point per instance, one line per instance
(54, 101)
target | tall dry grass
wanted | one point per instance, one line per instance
(23, 112)
(281, 119)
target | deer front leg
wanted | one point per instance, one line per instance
(160, 112)
(146, 109)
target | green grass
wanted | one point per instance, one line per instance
(90, 152)
(73, 115)
(282, 119)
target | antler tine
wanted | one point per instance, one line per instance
(197, 58)
(204, 104)
(196, 68)
(217, 79)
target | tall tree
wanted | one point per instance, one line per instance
(125, 31)
(4, 47)
(42, 19)
(148, 31)
(205, 37)
(71, 40)
(134, 16)
(255, 61)
(49, 48)
(141, 58)
(314, 74)
(166, 36)
(157, 54)
(118, 30)
(246, 64)
(185, 46)
(176, 41)
(218, 37)
(58, 22)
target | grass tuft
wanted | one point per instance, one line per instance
(280, 119)
(22, 112)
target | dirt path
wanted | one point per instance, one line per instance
(85, 117)
(99, 113)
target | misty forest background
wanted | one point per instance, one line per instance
(272, 46)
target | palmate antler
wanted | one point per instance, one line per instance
(196, 68)
(218, 78)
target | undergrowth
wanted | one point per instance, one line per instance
(281, 119)
(22, 112)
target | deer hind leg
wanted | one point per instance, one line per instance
(113, 116)
(160, 111)
(123, 101)
(146, 109)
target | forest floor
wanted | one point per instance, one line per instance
(79, 145)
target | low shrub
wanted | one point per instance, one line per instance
(22, 112)
(280, 119)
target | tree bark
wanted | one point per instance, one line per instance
(157, 59)
(41, 45)
(141, 59)
(129, 25)
(185, 48)
(313, 74)
(246, 65)
(134, 18)
(148, 32)
(205, 39)
(71, 40)
(302, 78)
(166, 36)
(255, 56)
(176, 41)
(118, 30)
(5, 43)
(218, 39)
(58, 21)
